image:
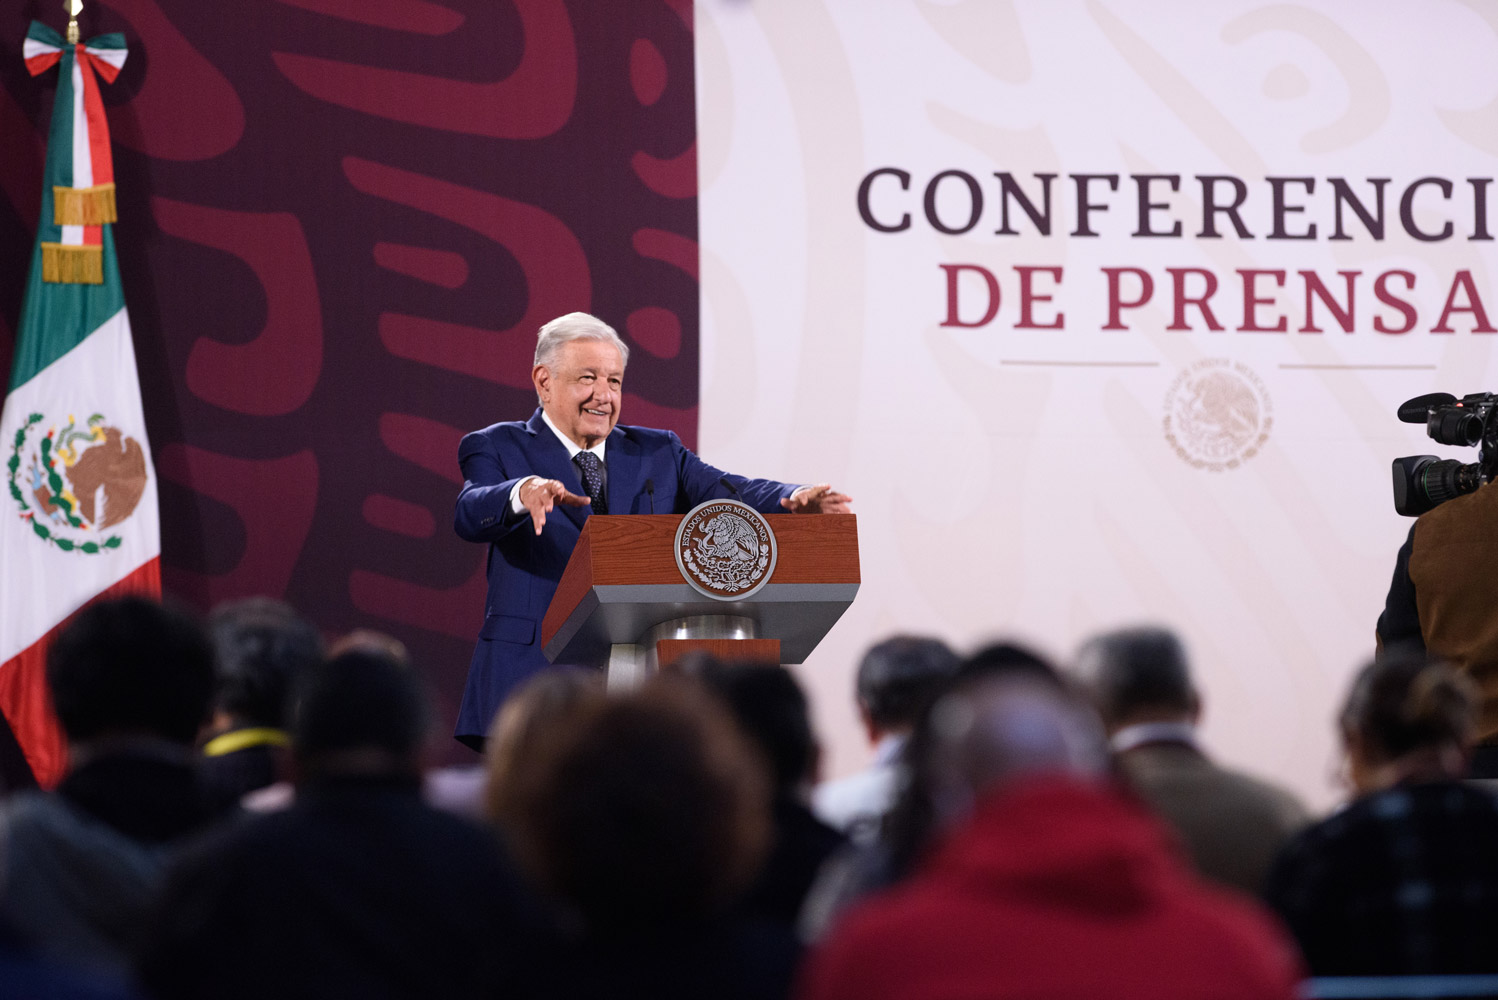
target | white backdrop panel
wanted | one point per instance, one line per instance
(1052, 478)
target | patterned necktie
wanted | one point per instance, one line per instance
(592, 470)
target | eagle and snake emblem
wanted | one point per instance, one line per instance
(725, 549)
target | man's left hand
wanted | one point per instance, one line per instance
(819, 499)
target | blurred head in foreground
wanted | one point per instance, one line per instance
(262, 646)
(897, 679)
(771, 711)
(547, 704)
(359, 714)
(992, 732)
(641, 811)
(1138, 675)
(1408, 718)
(1007, 658)
(988, 732)
(131, 668)
(365, 640)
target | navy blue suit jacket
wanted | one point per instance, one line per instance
(524, 568)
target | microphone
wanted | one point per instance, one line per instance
(650, 492)
(724, 482)
(1414, 411)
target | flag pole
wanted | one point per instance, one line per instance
(74, 8)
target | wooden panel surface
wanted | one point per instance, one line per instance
(811, 549)
(576, 582)
(638, 549)
(669, 651)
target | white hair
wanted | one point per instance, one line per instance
(998, 729)
(575, 326)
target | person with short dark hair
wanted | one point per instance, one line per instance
(1231, 824)
(130, 668)
(358, 888)
(771, 710)
(644, 817)
(896, 679)
(1006, 658)
(262, 646)
(1404, 881)
(131, 681)
(1044, 881)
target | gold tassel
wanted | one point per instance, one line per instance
(72, 265)
(92, 206)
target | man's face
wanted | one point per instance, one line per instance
(580, 391)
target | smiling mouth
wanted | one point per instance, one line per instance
(596, 413)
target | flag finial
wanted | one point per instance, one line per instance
(74, 8)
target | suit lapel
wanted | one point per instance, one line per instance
(626, 472)
(548, 458)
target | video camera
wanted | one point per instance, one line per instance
(1423, 482)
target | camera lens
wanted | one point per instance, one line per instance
(1441, 481)
(1422, 482)
(1454, 425)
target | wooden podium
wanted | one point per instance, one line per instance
(626, 602)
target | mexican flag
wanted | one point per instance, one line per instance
(78, 519)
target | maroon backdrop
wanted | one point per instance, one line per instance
(341, 222)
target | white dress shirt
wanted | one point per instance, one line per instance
(516, 507)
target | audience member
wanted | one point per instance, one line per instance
(1046, 882)
(909, 825)
(368, 640)
(359, 888)
(455, 788)
(666, 842)
(771, 710)
(644, 817)
(458, 790)
(896, 680)
(469, 789)
(23, 977)
(131, 682)
(912, 823)
(1232, 825)
(15, 770)
(546, 705)
(1405, 879)
(1008, 658)
(262, 646)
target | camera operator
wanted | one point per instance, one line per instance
(1444, 599)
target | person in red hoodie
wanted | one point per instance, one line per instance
(1044, 880)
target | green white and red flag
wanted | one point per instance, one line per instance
(79, 519)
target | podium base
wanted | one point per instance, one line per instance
(631, 664)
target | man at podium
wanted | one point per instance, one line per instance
(528, 487)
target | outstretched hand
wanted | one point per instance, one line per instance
(819, 499)
(539, 496)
